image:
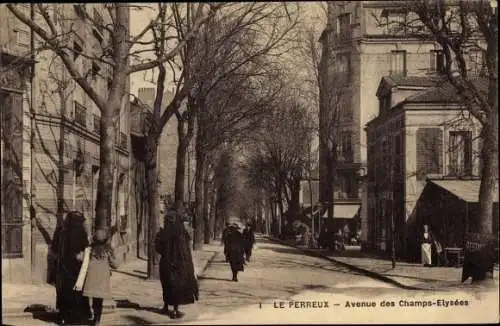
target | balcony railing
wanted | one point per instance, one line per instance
(80, 114)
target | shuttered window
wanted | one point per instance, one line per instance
(11, 107)
(429, 151)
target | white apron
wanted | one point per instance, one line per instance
(426, 252)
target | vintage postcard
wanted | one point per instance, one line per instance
(249, 162)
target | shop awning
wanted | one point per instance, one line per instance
(346, 211)
(466, 190)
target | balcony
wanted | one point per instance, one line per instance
(80, 114)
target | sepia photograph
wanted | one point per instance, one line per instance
(220, 163)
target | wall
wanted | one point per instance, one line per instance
(431, 118)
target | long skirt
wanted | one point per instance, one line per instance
(426, 254)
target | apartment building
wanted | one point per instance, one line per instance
(50, 139)
(358, 50)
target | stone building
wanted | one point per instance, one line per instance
(50, 140)
(421, 132)
(358, 50)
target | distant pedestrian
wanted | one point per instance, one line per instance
(249, 240)
(236, 251)
(97, 284)
(177, 275)
(70, 240)
(427, 247)
(225, 237)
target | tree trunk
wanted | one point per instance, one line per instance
(107, 164)
(153, 205)
(198, 219)
(331, 172)
(182, 149)
(206, 214)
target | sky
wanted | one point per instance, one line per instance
(312, 17)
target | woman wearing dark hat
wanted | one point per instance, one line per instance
(70, 240)
(178, 280)
(236, 244)
(98, 280)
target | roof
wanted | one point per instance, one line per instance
(346, 211)
(444, 93)
(466, 190)
(415, 81)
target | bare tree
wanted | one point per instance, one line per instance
(117, 50)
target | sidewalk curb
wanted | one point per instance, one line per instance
(355, 268)
(108, 308)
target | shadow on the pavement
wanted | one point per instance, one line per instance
(136, 320)
(135, 274)
(214, 278)
(127, 304)
(48, 317)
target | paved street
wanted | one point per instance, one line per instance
(278, 274)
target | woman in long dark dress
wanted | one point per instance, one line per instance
(249, 237)
(69, 243)
(177, 276)
(236, 244)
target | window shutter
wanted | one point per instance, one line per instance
(429, 151)
(12, 188)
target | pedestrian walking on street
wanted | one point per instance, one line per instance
(427, 247)
(249, 239)
(236, 244)
(225, 236)
(70, 240)
(177, 275)
(97, 286)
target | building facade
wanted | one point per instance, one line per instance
(50, 140)
(421, 132)
(359, 48)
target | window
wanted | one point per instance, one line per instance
(343, 65)
(344, 26)
(345, 109)
(23, 38)
(429, 151)
(80, 114)
(437, 61)
(477, 62)
(11, 191)
(344, 146)
(460, 153)
(398, 62)
(97, 124)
